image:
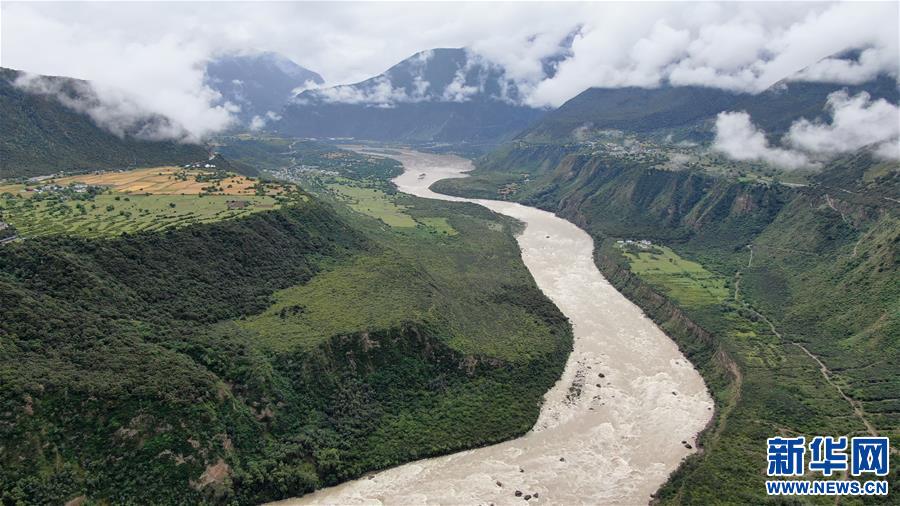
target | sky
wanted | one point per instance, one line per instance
(154, 52)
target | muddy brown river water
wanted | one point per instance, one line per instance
(615, 443)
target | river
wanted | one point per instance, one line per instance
(615, 443)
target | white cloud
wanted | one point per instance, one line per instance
(379, 93)
(738, 138)
(156, 53)
(870, 63)
(889, 150)
(114, 110)
(307, 85)
(741, 47)
(160, 76)
(259, 122)
(856, 122)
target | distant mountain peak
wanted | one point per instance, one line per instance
(433, 75)
(853, 66)
(259, 83)
(441, 94)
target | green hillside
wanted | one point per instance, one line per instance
(821, 290)
(260, 357)
(42, 136)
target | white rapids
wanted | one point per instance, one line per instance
(615, 443)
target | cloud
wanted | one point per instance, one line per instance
(379, 93)
(856, 122)
(738, 138)
(307, 85)
(739, 47)
(866, 67)
(259, 122)
(889, 150)
(547, 52)
(114, 110)
(160, 75)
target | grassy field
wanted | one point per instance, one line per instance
(373, 202)
(112, 214)
(370, 199)
(688, 282)
(421, 275)
(439, 225)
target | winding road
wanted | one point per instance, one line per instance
(617, 423)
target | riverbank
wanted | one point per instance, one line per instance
(621, 418)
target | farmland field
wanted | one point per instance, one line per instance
(685, 281)
(166, 181)
(107, 204)
(111, 214)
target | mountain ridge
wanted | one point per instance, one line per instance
(668, 107)
(42, 136)
(444, 94)
(259, 83)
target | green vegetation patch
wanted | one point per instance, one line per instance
(472, 287)
(685, 281)
(113, 214)
(365, 294)
(439, 225)
(249, 360)
(373, 202)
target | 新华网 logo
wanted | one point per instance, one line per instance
(858, 457)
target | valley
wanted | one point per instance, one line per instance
(307, 253)
(626, 390)
(679, 243)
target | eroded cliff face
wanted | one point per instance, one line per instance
(614, 198)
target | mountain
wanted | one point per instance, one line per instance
(41, 135)
(631, 109)
(259, 83)
(782, 296)
(645, 110)
(794, 97)
(776, 108)
(257, 357)
(447, 95)
(776, 294)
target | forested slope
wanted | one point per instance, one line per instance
(822, 282)
(43, 136)
(188, 366)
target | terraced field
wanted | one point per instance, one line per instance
(167, 181)
(111, 214)
(106, 204)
